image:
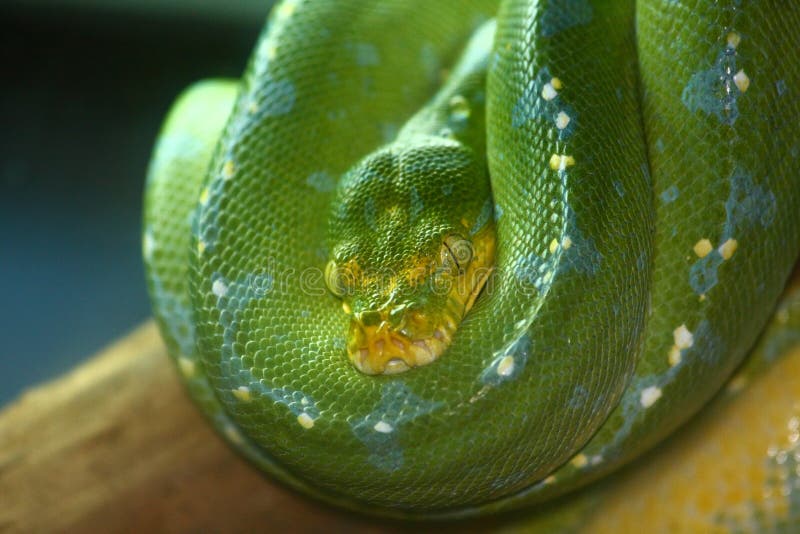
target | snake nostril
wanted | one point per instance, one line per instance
(369, 318)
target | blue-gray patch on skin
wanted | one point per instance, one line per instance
(748, 204)
(519, 350)
(339, 343)
(707, 347)
(670, 194)
(713, 90)
(277, 97)
(531, 105)
(780, 86)
(232, 304)
(498, 212)
(176, 315)
(368, 174)
(365, 54)
(561, 15)
(703, 273)
(619, 187)
(483, 217)
(398, 405)
(660, 145)
(579, 397)
(447, 189)
(534, 270)
(296, 401)
(321, 181)
(203, 219)
(238, 296)
(777, 343)
(641, 261)
(416, 204)
(582, 256)
(370, 214)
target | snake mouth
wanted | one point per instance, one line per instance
(420, 340)
(398, 336)
(381, 349)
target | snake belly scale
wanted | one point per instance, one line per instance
(626, 174)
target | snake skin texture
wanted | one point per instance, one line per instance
(644, 166)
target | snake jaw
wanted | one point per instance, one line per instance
(381, 349)
(397, 336)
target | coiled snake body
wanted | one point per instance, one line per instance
(627, 177)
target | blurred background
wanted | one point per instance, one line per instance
(83, 89)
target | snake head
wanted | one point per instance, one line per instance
(412, 241)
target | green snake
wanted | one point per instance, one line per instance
(441, 259)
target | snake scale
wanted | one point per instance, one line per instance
(441, 259)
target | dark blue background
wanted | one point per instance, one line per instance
(82, 95)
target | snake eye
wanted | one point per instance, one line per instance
(457, 253)
(335, 279)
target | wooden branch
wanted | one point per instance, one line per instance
(116, 445)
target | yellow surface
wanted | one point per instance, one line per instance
(737, 468)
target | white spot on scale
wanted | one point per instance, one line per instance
(580, 461)
(228, 170)
(562, 120)
(649, 396)
(683, 337)
(550, 89)
(741, 80)
(305, 420)
(702, 248)
(204, 196)
(559, 162)
(506, 366)
(733, 39)
(242, 393)
(219, 288)
(383, 427)
(727, 249)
